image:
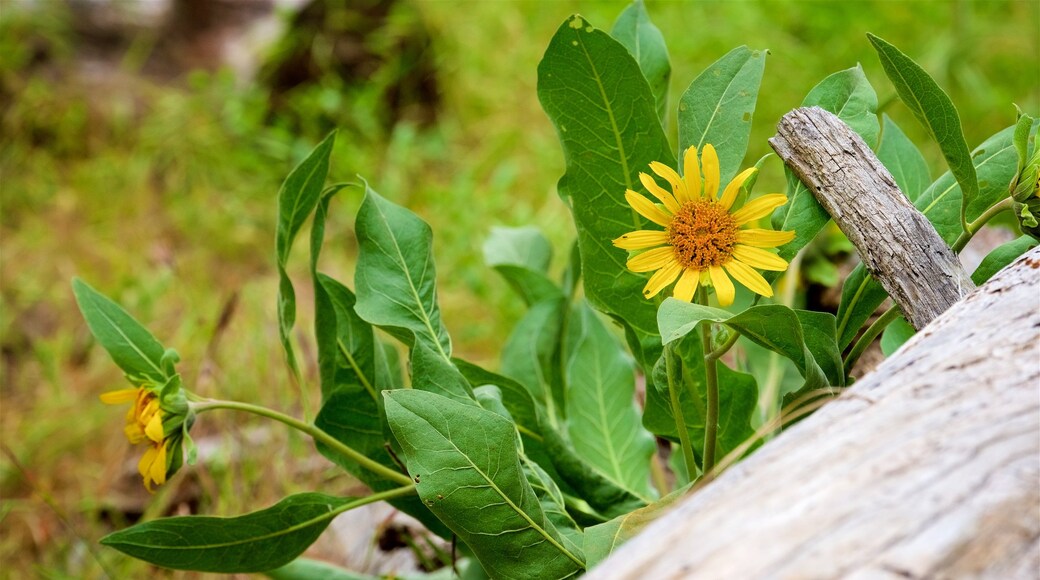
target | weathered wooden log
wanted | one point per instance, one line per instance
(896, 242)
(927, 468)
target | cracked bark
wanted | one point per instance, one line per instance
(896, 242)
(926, 468)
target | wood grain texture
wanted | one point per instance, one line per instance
(896, 242)
(927, 468)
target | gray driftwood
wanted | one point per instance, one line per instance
(927, 468)
(895, 241)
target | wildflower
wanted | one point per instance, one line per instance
(162, 427)
(703, 242)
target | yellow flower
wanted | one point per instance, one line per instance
(703, 241)
(144, 424)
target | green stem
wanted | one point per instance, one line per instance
(868, 337)
(680, 421)
(769, 403)
(711, 384)
(383, 495)
(973, 228)
(316, 433)
(724, 347)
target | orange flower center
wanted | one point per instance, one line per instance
(702, 235)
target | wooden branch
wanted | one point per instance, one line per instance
(896, 243)
(926, 468)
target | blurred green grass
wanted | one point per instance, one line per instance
(162, 195)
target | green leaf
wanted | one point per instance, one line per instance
(468, 473)
(601, 540)
(395, 280)
(718, 106)
(529, 357)
(644, 41)
(848, 95)
(605, 116)
(129, 344)
(934, 109)
(1000, 257)
(897, 333)
(903, 159)
(551, 499)
(308, 569)
(432, 373)
(297, 199)
(603, 422)
(995, 162)
(255, 542)
(516, 398)
(522, 256)
(773, 326)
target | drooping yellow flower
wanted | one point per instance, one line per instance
(703, 242)
(144, 424)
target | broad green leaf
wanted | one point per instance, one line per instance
(605, 496)
(308, 569)
(603, 422)
(738, 398)
(516, 398)
(468, 473)
(995, 162)
(601, 540)
(934, 109)
(297, 198)
(255, 542)
(530, 357)
(522, 257)
(718, 106)
(395, 280)
(903, 160)
(848, 95)
(1000, 257)
(129, 344)
(432, 373)
(606, 119)
(551, 499)
(897, 333)
(644, 41)
(773, 326)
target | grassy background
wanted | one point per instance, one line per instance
(162, 196)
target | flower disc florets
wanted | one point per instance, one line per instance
(702, 234)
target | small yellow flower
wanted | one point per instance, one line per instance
(144, 424)
(703, 241)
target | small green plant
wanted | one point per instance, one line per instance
(535, 469)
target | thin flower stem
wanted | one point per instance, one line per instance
(868, 337)
(677, 414)
(711, 384)
(383, 495)
(316, 433)
(973, 228)
(724, 348)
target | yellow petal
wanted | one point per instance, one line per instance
(134, 433)
(692, 173)
(641, 240)
(733, 188)
(759, 207)
(682, 195)
(758, 258)
(748, 277)
(723, 286)
(154, 429)
(144, 466)
(119, 397)
(647, 209)
(763, 238)
(652, 259)
(686, 285)
(659, 192)
(158, 471)
(710, 167)
(662, 278)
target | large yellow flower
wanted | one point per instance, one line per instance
(703, 241)
(144, 424)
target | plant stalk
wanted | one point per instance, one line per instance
(868, 337)
(677, 414)
(310, 429)
(711, 384)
